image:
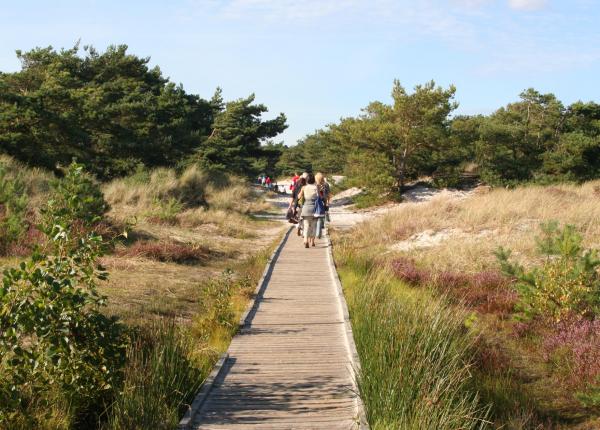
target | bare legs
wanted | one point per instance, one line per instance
(309, 231)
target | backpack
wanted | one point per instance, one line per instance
(319, 206)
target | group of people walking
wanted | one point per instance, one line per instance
(309, 205)
(266, 182)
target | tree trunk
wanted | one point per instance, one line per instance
(401, 171)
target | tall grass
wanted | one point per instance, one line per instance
(140, 193)
(166, 363)
(160, 379)
(415, 357)
(529, 373)
(193, 198)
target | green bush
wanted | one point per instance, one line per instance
(13, 207)
(448, 177)
(368, 200)
(140, 176)
(370, 171)
(166, 211)
(591, 398)
(216, 309)
(53, 335)
(76, 198)
(566, 282)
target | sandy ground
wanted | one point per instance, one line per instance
(344, 215)
(431, 238)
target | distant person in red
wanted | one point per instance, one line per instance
(294, 179)
(268, 182)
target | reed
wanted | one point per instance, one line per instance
(416, 357)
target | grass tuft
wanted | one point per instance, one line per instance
(415, 357)
(166, 251)
(161, 378)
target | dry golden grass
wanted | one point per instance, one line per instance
(238, 197)
(480, 223)
(190, 200)
(140, 287)
(139, 194)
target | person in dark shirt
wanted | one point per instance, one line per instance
(294, 201)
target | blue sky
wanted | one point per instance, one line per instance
(319, 60)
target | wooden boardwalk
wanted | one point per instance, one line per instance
(291, 365)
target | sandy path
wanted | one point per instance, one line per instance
(344, 215)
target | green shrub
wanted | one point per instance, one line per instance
(13, 207)
(53, 335)
(591, 398)
(566, 282)
(448, 177)
(368, 200)
(166, 211)
(216, 308)
(371, 171)
(140, 176)
(75, 198)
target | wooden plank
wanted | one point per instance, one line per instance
(290, 366)
(328, 425)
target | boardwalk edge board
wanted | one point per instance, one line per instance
(355, 359)
(188, 419)
(246, 317)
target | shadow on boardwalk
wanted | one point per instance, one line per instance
(290, 366)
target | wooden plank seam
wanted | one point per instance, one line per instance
(246, 317)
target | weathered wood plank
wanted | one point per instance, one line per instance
(290, 367)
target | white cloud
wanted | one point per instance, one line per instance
(527, 4)
(535, 62)
(400, 19)
(287, 9)
(471, 4)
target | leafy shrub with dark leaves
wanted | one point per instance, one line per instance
(53, 335)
